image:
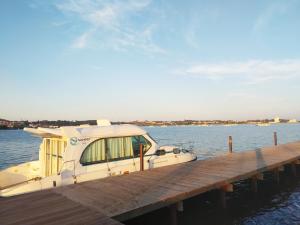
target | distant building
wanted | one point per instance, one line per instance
(292, 121)
(276, 120)
(5, 123)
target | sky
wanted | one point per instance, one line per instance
(149, 60)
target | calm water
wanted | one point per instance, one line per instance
(274, 204)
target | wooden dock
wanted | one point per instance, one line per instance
(119, 198)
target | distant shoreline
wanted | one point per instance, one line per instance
(55, 124)
(6, 124)
(10, 128)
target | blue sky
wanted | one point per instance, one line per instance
(143, 59)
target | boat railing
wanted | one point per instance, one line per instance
(19, 183)
(64, 163)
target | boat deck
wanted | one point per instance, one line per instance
(127, 196)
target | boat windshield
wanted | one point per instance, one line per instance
(152, 138)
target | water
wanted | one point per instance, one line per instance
(213, 140)
(274, 204)
(17, 146)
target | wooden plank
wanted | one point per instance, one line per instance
(48, 208)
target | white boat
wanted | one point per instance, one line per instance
(230, 125)
(263, 124)
(292, 121)
(76, 154)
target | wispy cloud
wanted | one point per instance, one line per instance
(250, 71)
(82, 40)
(273, 10)
(111, 23)
(192, 31)
(196, 25)
(60, 23)
(191, 37)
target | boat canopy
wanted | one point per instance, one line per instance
(88, 131)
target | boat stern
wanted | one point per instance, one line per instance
(18, 175)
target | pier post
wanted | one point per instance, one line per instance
(223, 202)
(294, 169)
(141, 157)
(180, 206)
(230, 144)
(275, 138)
(222, 191)
(277, 175)
(254, 184)
(173, 214)
(254, 181)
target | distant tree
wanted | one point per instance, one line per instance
(3, 127)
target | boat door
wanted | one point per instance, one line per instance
(51, 151)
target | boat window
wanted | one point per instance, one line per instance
(94, 153)
(119, 148)
(136, 141)
(113, 149)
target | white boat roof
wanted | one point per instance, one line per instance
(88, 131)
